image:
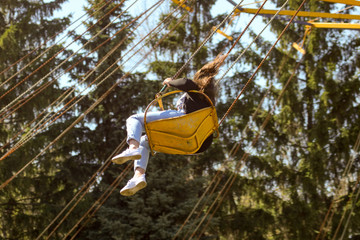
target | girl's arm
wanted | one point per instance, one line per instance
(182, 84)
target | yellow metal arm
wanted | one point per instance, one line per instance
(222, 33)
(301, 13)
(181, 3)
(336, 25)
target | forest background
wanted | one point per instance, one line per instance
(286, 163)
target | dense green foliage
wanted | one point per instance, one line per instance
(33, 197)
(282, 188)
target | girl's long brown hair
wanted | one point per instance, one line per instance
(204, 77)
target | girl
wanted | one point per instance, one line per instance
(189, 102)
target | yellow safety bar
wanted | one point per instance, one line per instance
(184, 134)
(299, 48)
(301, 13)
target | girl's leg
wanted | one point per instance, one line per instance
(138, 182)
(134, 124)
(141, 164)
(135, 127)
(133, 144)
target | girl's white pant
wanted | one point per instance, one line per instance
(135, 128)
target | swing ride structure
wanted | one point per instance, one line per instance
(181, 135)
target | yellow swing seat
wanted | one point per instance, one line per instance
(184, 134)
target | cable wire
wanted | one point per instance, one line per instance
(346, 173)
(205, 41)
(63, 62)
(87, 111)
(44, 44)
(72, 89)
(27, 137)
(85, 189)
(232, 178)
(100, 201)
(149, 52)
(37, 91)
(122, 144)
(267, 118)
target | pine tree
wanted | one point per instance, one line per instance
(288, 183)
(32, 198)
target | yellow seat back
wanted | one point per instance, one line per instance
(184, 134)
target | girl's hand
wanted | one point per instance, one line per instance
(166, 81)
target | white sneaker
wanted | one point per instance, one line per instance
(134, 185)
(128, 154)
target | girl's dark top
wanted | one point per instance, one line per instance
(193, 102)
